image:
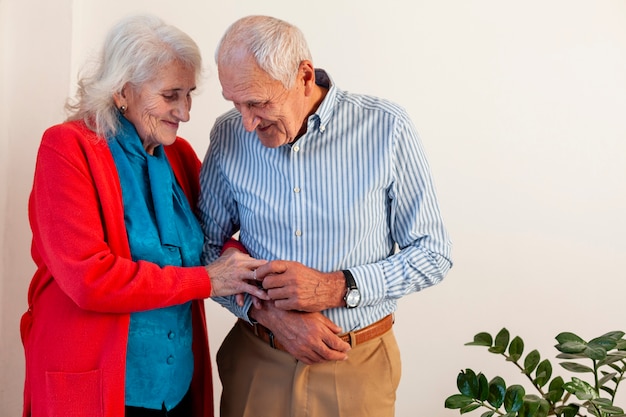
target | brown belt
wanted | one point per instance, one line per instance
(370, 332)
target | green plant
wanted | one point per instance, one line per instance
(607, 354)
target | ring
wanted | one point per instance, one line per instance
(254, 274)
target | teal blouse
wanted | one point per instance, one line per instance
(162, 229)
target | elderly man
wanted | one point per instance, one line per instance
(334, 190)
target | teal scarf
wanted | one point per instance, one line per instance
(162, 229)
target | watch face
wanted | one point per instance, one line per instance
(353, 298)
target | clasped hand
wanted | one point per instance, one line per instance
(294, 286)
(297, 294)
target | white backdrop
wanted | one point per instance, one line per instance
(522, 110)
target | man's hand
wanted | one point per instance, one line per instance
(294, 286)
(309, 337)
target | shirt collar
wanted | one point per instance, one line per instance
(324, 111)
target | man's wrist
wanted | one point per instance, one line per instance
(352, 296)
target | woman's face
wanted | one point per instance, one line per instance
(158, 106)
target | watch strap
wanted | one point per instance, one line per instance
(350, 281)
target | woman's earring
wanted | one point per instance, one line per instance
(122, 109)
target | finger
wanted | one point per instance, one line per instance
(330, 353)
(239, 298)
(314, 357)
(257, 292)
(258, 304)
(255, 263)
(283, 304)
(331, 325)
(272, 281)
(272, 267)
(336, 344)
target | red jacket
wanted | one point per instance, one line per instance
(86, 285)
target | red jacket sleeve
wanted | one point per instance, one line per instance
(79, 234)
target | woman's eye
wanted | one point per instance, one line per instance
(170, 97)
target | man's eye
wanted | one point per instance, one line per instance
(257, 105)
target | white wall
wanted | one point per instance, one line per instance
(521, 106)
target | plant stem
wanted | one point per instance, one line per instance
(490, 407)
(537, 387)
(618, 380)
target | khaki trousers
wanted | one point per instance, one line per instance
(259, 381)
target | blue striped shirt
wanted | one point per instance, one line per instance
(355, 192)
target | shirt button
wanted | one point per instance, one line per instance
(298, 232)
(170, 360)
(296, 148)
(171, 335)
(322, 128)
(296, 189)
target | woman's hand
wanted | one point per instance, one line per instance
(233, 273)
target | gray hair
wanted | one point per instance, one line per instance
(278, 47)
(134, 52)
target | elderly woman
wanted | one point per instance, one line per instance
(115, 323)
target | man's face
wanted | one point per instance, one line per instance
(276, 114)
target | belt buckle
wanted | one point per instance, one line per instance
(352, 339)
(271, 335)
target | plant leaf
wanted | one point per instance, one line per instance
(457, 401)
(606, 378)
(481, 339)
(581, 389)
(488, 414)
(531, 361)
(612, 357)
(467, 383)
(607, 407)
(568, 337)
(606, 342)
(595, 352)
(514, 398)
(483, 388)
(614, 335)
(576, 367)
(497, 390)
(608, 390)
(555, 390)
(544, 373)
(571, 356)
(611, 410)
(516, 348)
(534, 406)
(501, 342)
(470, 407)
(570, 410)
(571, 347)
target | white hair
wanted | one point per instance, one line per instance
(134, 52)
(278, 47)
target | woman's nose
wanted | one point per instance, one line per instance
(182, 110)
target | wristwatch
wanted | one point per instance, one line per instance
(353, 295)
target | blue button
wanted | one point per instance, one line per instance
(170, 360)
(171, 335)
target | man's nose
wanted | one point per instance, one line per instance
(249, 119)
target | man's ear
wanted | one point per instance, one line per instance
(306, 73)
